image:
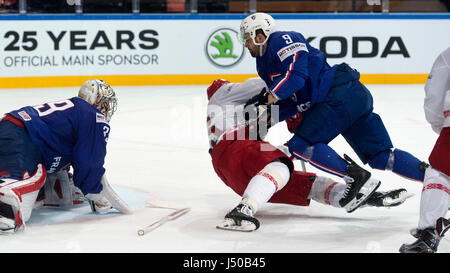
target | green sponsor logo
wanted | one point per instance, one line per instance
(223, 48)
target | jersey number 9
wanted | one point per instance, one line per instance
(287, 39)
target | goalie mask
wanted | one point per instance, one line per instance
(100, 95)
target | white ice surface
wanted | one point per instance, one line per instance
(158, 149)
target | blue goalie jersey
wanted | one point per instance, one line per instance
(291, 67)
(69, 132)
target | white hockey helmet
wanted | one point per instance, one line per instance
(100, 95)
(255, 21)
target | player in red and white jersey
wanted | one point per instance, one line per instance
(260, 172)
(435, 198)
(226, 105)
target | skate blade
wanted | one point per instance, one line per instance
(405, 248)
(7, 232)
(229, 224)
(366, 191)
(389, 202)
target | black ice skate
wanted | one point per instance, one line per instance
(388, 198)
(360, 186)
(240, 219)
(427, 239)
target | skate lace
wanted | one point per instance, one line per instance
(349, 181)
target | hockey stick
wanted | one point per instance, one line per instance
(154, 225)
(157, 203)
(303, 165)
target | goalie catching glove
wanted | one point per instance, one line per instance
(106, 200)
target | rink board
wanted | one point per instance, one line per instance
(64, 50)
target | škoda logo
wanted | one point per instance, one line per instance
(223, 48)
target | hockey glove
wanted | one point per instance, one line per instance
(260, 99)
(293, 122)
(258, 120)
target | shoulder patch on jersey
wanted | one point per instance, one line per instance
(24, 115)
(100, 118)
(290, 50)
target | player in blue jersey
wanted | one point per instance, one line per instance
(331, 100)
(41, 140)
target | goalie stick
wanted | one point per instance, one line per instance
(158, 203)
(156, 224)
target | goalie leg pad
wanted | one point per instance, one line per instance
(12, 219)
(59, 191)
(19, 197)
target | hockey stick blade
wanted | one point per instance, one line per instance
(158, 203)
(174, 215)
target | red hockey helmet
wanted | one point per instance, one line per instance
(215, 86)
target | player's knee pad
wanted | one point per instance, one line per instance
(17, 197)
(300, 148)
(278, 173)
